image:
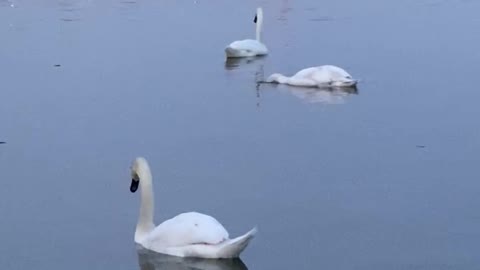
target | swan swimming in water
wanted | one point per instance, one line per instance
(186, 235)
(321, 76)
(249, 47)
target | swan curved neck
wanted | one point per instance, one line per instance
(282, 78)
(145, 220)
(259, 24)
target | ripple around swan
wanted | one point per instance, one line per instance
(149, 260)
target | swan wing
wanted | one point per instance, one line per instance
(312, 76)
(335, 73)
(328, 75)
(188, 229)
(305, 73)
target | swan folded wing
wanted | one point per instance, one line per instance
(306, 73)
(188, 229)
(231, 248)
(335, 72)
(310, 77)
(325, 75)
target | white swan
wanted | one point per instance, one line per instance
(186, 235)
(321, 76)
(249, 47)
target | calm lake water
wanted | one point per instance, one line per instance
(383, 178)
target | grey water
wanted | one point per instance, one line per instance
(382, 177)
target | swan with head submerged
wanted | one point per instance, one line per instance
(249, 47)
(186, 235)
(321, 76)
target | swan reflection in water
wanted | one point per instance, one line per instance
(330, 95)
(235, 63)
(325, 96)
(149, 260)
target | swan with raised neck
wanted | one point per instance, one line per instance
(188, 234)
(249, 47)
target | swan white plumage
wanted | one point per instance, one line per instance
(186, 235)
(249, 47)
(321, 76)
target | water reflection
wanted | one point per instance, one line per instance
(129, 5)
(70, 10)
(149, 260)
(319, 18)
(323, 95)
(234, 63)
(259, 76)
(284, 10)
(129, 10)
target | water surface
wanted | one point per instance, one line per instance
(382, 178)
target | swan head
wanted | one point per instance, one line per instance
(138, 170)
(258, 15)
(277, 78)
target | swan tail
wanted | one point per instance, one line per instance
(237, 53)
(233, 247)
(351, 83)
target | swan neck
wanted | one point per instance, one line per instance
(145, 220)
(283, 79)
(259, 25)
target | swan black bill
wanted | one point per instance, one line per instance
(134, 185)
(255, 19)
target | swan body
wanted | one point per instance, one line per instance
(249, 47)
(189, 234)
(321, 76)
